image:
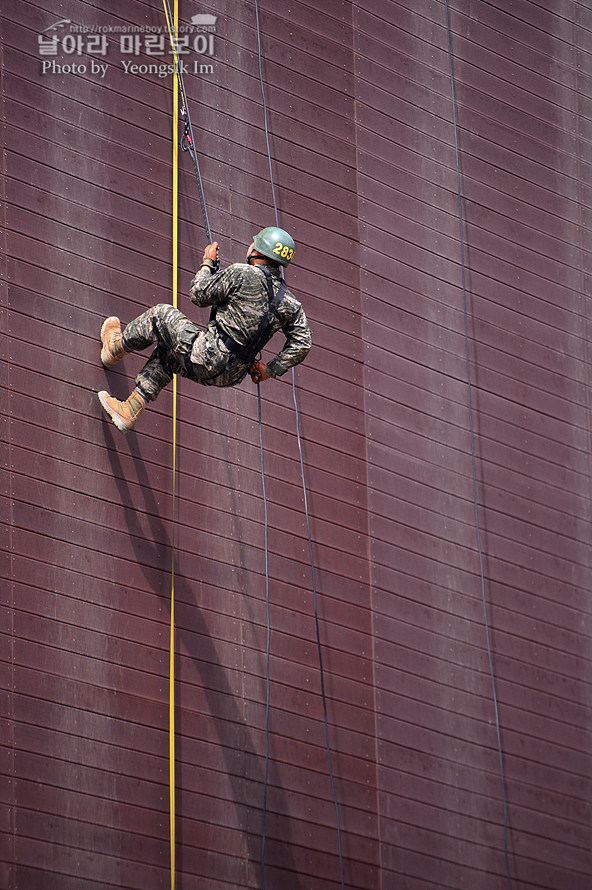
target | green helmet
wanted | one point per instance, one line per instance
(275, 244)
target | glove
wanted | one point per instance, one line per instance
(210, 257)
(258, 372)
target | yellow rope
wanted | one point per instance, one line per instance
(173, 31)
(175, 188)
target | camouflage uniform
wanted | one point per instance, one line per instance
(240, 296)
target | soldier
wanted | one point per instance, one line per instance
(249, 301)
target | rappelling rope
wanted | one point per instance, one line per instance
(473, 451)
(308, 531)
(188, 139)
(267, 634)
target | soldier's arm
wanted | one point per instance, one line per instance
(209, 289)
(298, 338)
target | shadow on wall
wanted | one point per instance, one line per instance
(244, 766)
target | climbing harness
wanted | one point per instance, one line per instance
(473, 451)
(246, 354)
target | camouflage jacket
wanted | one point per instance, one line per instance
(240, 296)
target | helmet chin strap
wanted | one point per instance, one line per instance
(254, 258)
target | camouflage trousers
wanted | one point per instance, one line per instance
(181, 348)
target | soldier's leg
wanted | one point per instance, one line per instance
(160, 324)
(182, 348)
(174, 335)
(156, 374)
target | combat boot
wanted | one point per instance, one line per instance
(111, 342)
(123, 414)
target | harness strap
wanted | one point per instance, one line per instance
(246, 352)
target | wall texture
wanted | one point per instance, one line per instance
(363, 145)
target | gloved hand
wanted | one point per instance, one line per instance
(258, 372)
(210, 257)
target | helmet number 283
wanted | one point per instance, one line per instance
(282, 250)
